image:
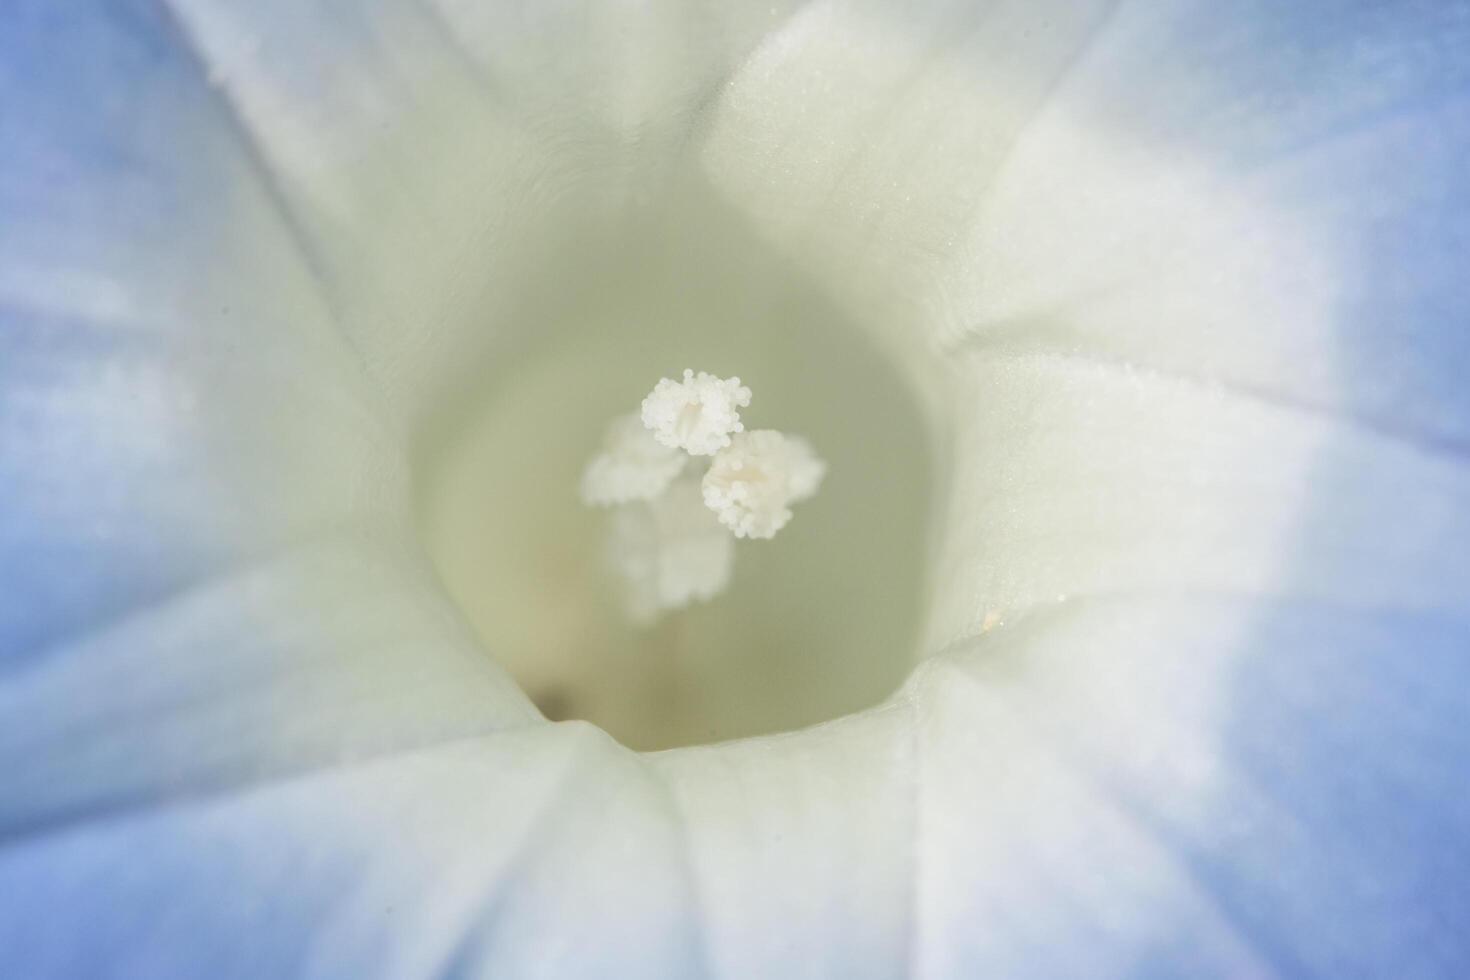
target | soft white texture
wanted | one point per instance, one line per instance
(669, 552)
(671, 549)
(804, 469)
(1205, 528)
(752, 483)
(631, 466)
(697, 414)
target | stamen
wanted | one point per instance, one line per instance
(670, 552)
(697, 414)
(670, 536)
(632, 465)
(752, 483)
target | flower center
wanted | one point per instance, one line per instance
(818, 622)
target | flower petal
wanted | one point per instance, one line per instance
(208, 554)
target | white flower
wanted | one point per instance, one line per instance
(697, 414)
(1182, 286)
(632, 465)
(752, 483)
